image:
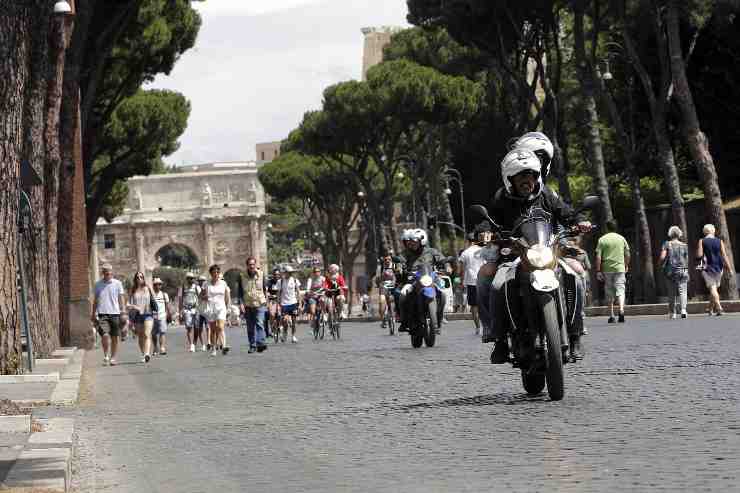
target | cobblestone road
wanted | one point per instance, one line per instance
(655, 406)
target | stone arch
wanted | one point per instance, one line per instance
(190, 262)
(190, 237)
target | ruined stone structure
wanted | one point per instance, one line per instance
(216, 210)
(376, 38)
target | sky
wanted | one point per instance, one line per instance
(259, 65)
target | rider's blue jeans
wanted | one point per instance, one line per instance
(255, 317)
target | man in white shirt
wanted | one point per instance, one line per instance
(108, 314)
(470, 263)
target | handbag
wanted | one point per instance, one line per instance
(153, 306)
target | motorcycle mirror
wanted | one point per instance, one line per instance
(479, 209)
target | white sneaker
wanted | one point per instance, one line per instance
(673, 316)
(213, 352)
(294, 339)
(143, 359)
(192, 348)
(155, 353)
(113, 362)
(203, 348)
(106, 360)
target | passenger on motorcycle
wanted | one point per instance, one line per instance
(315, 293)
(523, 190)
(416, 253)
(336, 289)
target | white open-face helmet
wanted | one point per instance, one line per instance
(538, 143)
(406, 234)
(333, 268)
(517, 161)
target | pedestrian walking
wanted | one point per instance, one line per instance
(189, 310)
(161, 318)
(712, 258)
(218, 299)
(674, 259)
(108, 314)
(470, 264)
(612, 265)
(202, 331)
(141, 301)
(251, 289)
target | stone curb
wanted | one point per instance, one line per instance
(694, 307)
(46, 461)
(15, 424)
(49, 468)
(52, 362)
(31, 378)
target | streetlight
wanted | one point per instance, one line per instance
(458, 177)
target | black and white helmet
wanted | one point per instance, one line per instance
(517, 161)
(538, 143)
(421, 236)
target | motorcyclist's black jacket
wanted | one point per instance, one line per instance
(427, 256)
(508, 210)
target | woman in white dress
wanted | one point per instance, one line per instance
(218, 300)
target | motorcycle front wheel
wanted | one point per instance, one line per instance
(533, 383)
(430, 334)
(554, 374)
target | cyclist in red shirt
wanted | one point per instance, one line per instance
(334, 283)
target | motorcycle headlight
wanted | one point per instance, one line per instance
(540, 256)
(426, 280)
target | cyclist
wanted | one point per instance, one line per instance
(273, 307)
(387, 285)
(315, 294)
(289, 288)
(336, 289)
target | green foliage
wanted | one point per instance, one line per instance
(126, 130)
(173, 278)
(178, 256)
(142, 130)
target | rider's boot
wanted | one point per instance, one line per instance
(500, 353)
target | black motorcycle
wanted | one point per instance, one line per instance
(538, 338)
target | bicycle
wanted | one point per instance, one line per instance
(389, 318)
(334, 319)
(319, 321)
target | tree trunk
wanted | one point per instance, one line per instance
(15, 25)
(45, 336)
(699, 147)
(670, 173)
(645, 239)
(594, 152)
(52, 167)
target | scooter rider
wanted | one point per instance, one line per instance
(416, 253)
(523, 189)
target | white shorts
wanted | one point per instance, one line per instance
(614, 283)
(216, 313)
(712, 279)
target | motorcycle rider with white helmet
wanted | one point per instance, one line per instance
(416, 252)
(542, 147)
(523, 190)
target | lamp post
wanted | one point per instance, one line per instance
(458, 177)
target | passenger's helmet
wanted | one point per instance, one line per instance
(406, 234)
(419, 235)
(333, 268)
(517, 161)
(538, 143)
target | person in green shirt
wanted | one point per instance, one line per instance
(612, 264)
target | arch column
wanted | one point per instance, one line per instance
(140, 251)
(208, 243)
(254, 250)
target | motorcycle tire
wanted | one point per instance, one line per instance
(430, 336)
(417, 338)
(533, 383)
(554, 373)
(392, 325)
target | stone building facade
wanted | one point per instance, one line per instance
(376, 38)
(216, 210)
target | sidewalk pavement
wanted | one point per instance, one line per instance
(37, 453)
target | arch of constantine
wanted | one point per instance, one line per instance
(216, 210)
